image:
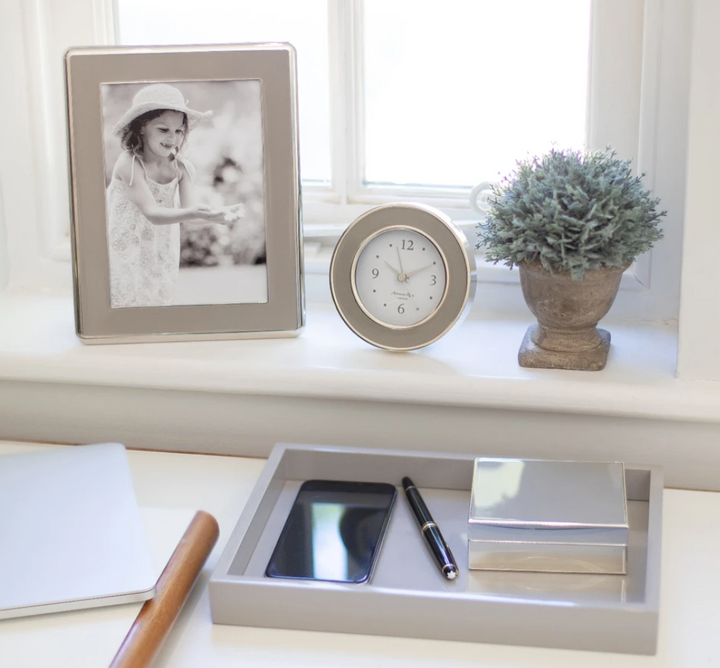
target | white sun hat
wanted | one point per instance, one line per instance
(159, 96)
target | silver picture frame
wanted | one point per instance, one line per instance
(278, 309)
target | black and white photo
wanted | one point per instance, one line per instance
(184, 175)
(185, 192)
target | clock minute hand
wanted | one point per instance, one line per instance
(402, 271)
(412, 299)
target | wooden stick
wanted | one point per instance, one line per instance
(157, 615)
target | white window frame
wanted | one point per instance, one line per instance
(633, 112)
(609, 98)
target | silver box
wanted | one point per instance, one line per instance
(548, 516)
(407, 596)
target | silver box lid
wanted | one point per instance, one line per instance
(548, 502)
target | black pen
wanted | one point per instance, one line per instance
(430, 531)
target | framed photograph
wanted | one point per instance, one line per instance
(185, 192)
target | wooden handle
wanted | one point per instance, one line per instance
(157, 615)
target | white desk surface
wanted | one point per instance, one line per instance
(171, 487)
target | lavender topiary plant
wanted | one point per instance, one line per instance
(570, 211)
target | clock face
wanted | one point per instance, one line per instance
(400, 278)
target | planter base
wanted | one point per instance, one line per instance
(533, 356)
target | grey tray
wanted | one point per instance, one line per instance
(407, 596)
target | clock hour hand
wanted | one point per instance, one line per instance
(395, 271)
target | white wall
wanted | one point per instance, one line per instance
(13, 105)
(17, 155)
(4, 256)
(699, 344)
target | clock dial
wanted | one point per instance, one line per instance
(400, 278)
(402, 275)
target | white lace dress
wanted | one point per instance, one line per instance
(144, 258)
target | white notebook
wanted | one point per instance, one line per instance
(71, 536)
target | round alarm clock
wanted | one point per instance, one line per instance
(402, 275)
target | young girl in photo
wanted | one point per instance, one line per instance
(151, 191)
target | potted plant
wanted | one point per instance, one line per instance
(572, 222)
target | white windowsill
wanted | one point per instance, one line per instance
(475, 365)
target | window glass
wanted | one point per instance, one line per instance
(303, 24)
(456, 91)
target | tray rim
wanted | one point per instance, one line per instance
(648, 610)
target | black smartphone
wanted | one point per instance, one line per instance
(333, 532)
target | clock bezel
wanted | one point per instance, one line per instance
(453, 247)
(353, 276)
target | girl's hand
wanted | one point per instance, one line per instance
(205, 212)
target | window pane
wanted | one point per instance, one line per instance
(457, 91)
(303, 24)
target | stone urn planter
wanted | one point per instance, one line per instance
(567, 311)
(572, 221)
